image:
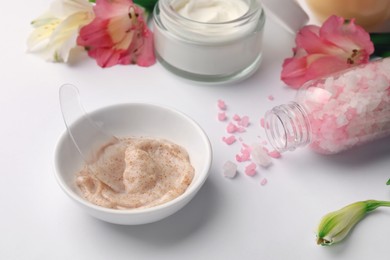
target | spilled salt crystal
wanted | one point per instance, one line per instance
(263, 182)
(260, 156)
(236, 117)
(231, 128)
(222, 116)
(229, 169)
(245, 154)
(229, 140)
(244, 121)
(243, 157)
(262, 122)
(250, 169)
(274, 154)
(270, 98)
(221, 104)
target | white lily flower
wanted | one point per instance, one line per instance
(56, 30)
(336, 225)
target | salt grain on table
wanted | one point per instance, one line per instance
(229, 140)
(260, 156)
(221, 104)
(255, 155)
(250, 169)
(229, 169)
(222, 116)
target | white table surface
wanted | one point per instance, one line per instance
(228, 219)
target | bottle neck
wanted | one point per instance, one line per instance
(287, 127)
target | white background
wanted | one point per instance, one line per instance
(228, 219)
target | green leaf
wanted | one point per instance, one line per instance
(147, 4)
(388, 182)
(381, 43)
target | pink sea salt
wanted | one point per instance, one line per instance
(262, 122)
(274, 154)
(243, 157)
(221, 116)
(348, 109)
(250, 169)
(231, 128)
(229, 140)
(221, 104)
(236, 117)
(270, 97)
(245, 154)
(244, 122)
(263, 182)
(253, 159)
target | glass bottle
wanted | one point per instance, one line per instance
(335, 113)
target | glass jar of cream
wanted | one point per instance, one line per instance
(210, 41)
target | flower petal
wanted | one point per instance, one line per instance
(64, 37)
(308, 38)
(95, 34)
(39, 38)
(346, 35)
(297, 72)
(147, 57)
(319, 51)
(118, 35)
(56, 30)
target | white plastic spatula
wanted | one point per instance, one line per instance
(78, 122)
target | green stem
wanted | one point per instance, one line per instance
(373, 204)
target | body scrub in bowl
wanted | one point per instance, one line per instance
(158, 164)
(209, 40)
(136, 173)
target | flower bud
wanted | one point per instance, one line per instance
(336, 225)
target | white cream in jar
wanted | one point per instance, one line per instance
(210, 11)
(209, 40)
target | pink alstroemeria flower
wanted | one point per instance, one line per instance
(336, 45)
(118, 35)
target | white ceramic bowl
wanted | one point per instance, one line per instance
(137, 119)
